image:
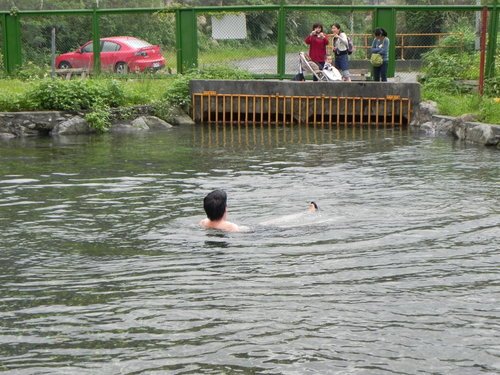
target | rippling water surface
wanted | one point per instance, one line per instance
(104, 270)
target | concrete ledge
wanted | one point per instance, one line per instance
(358, 89)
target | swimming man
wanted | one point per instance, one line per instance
(215, 205)
(313, 207)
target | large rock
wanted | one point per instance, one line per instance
(428, 127)
(463, 128)
(424, 112)
(444, 124)
(482, 133)
(154, 123)
(178, 117)
(30, 123)
(73, 126)
(136, 126)
(6, 136)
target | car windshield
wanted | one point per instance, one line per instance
(88, 48)
(137, 43)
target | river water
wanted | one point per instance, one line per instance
(104, 270)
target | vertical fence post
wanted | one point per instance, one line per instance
(482, 51)
(4, 42)
(96, 40)
(492, 41)
(186, 39)
(53, 53)
(12, 41)
(281, 40)
(386, 18)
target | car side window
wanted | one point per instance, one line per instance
(88, 48)
(110, 47)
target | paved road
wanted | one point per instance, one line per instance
(268, 65)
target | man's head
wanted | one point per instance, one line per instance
(313, 207)
(215, 204)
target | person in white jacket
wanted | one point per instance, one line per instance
(340, 45)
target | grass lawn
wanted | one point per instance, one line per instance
(14, 86)
(146, 90)
(486, 109)
(218, 55)
(137, 91)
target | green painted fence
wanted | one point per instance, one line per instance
(187, 28)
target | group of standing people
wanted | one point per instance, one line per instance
(318, 42)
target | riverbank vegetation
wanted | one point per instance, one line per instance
(98, 95)
(450, 74)
(446, 68)
(444, 78)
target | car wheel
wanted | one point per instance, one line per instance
(64, 65)
(121, 68)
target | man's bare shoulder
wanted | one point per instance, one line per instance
(221, 225)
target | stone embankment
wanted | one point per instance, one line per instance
(465, 128)
(139, 119)
(136, 119)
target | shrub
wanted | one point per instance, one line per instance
(99, 117)
(453, 65)
(31, 71)
(177, 94)
(489, 111)
(454, 59)
(75, 95)
(492, 87)
(462, 40)
(95, 96)
(433, 87)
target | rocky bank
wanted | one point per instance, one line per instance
(427, 120)
(139, 119)
(53, 123)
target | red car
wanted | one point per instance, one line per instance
(119, 54)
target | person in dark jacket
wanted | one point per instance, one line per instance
(380, 45)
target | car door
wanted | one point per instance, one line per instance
(85, 57)
(109, 55)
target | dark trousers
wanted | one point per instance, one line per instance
(380, 72)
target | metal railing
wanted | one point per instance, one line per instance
(403, 46)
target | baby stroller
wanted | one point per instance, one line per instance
(329, 73)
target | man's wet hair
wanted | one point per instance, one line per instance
(215, 204)
(315, 205)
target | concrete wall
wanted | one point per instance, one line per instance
(289, 101)
(366, 89)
